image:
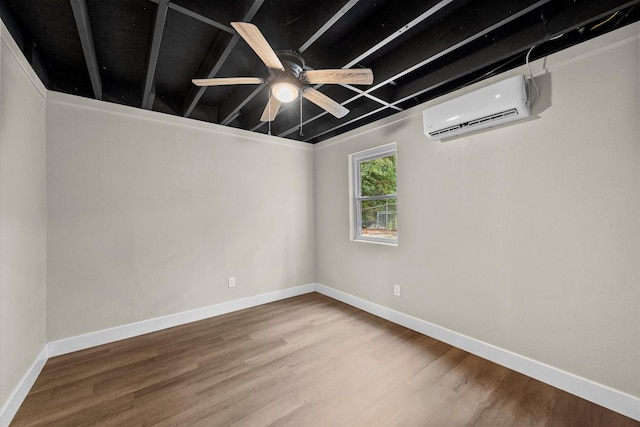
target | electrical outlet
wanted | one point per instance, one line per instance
(232, 282)
(396, 290)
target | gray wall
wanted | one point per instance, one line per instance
(149, 215)
(526, 237)
(23, 216)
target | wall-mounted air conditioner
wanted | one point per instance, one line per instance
(493, 105)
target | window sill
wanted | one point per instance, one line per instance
(375, 242)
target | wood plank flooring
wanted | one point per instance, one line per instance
(304, 361)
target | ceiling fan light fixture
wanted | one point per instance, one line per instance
(285, 92)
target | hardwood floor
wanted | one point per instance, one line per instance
(304, 361)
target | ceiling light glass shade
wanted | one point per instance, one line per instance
(284, 92)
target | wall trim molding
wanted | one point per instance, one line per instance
(602, 395)
(15, 399)
(127, 111)
(117, 333)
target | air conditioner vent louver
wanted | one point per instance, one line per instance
(493, 117)
(499, 103)
(476, 122)
(444, 131)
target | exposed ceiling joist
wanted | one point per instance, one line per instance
(144, 53)
(399, 31)
(567, 21)
(422, 50)
(158, 29)
(239, 100)
(198, 17)
(563, 23)
(377, 99)
(327, 25)
(83, 23)
(201, 18)
(195, 93)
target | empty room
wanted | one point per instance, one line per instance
(319, 213)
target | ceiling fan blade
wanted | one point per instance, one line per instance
(254, 38)
(228, 81)
(355, 76)
(271, 110)
(324, 102)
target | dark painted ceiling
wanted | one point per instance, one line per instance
(144, 53)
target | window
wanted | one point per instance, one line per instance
(373, 195)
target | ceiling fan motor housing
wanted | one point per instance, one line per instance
(293, 63)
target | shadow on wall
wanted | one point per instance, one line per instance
(542, 98)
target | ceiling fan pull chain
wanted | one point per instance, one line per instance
(269, 107)
(300, 96)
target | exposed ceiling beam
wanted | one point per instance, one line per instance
(241, 99)
(195, 93)
(399, 32)
(417, 52)
(152, 61)
(343, 124)
(198, 17)
(372, 97)
(564, 22)
(81, 16)
(386, 25)
(328, 24)
(208, 71)
(422, 49)
(201, 18)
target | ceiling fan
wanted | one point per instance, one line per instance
(288, 77)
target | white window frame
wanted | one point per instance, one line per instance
(355, 189)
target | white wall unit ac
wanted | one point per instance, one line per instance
(499, 103)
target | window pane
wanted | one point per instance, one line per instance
(379, 218)
(378, 176)
(373, 205)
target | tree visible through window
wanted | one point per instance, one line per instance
(374, 194)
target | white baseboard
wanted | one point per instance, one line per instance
(12, 404)
(105, 336)
(602, 395)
